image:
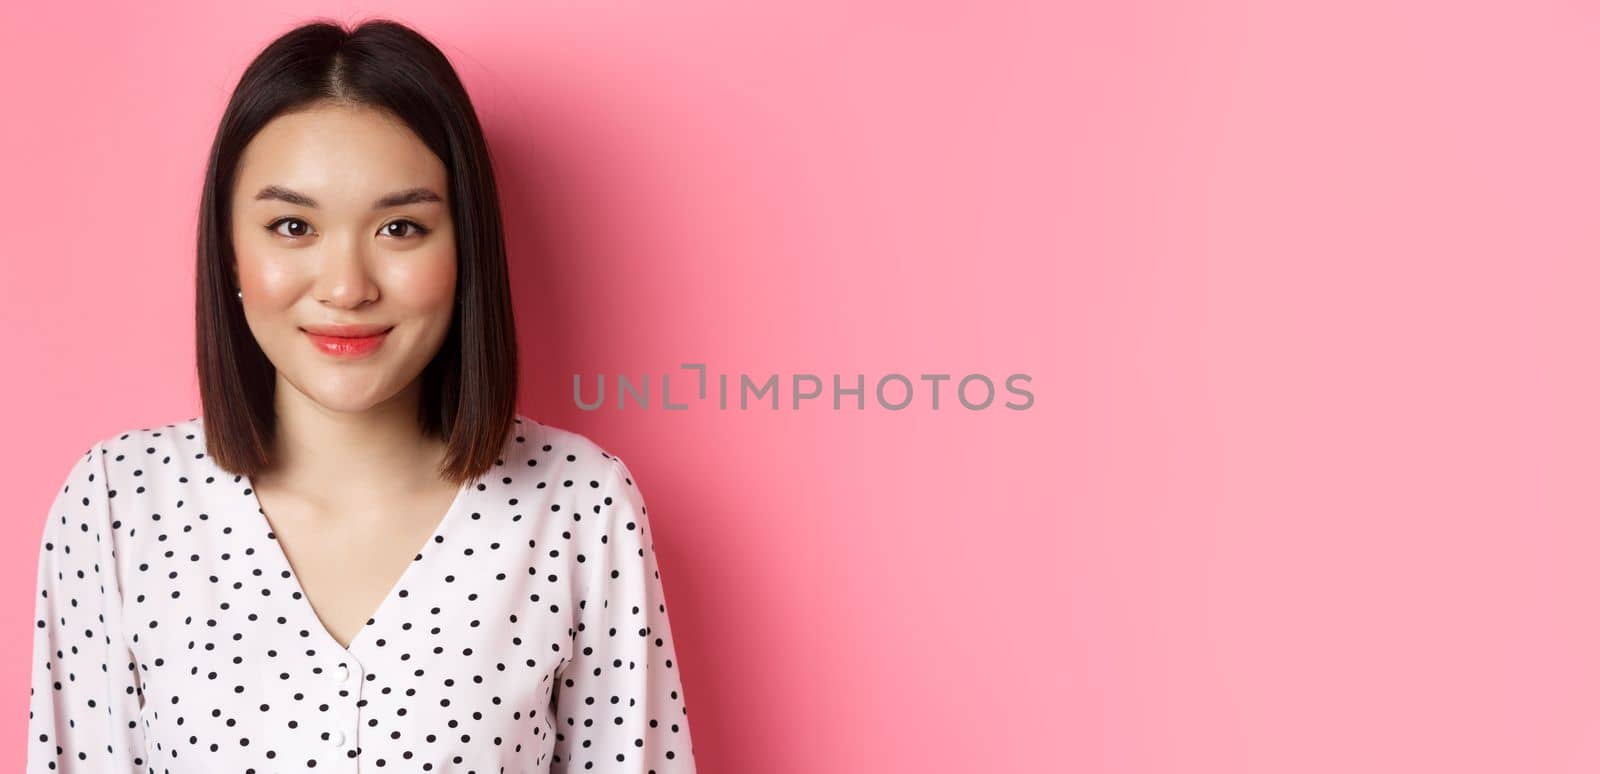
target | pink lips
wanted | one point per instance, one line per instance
(347, 346)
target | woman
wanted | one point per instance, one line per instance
(359, 557)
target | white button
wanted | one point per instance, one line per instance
(341, 673)
(336, 738)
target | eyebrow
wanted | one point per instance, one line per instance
(396, 199)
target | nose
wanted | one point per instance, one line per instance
(343, 279)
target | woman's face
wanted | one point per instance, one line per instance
(340, 217)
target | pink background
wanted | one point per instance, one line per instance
(1307, 292)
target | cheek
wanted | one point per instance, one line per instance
(267, 275)
(426, 284)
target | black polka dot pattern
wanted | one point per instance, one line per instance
(529, 633)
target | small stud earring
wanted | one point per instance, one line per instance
(241, 295)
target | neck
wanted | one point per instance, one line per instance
(334, 454)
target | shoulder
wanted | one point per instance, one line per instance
(533, 451)
(569, 465)
(134, 452)
(548, 448)
(158, 438)
(106, 475)
(106, 451)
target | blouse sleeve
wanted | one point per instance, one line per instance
(619, 701)
(85, 700)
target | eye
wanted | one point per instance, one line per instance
(389, 228)
(304, 227)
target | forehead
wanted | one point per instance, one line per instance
(343, 156)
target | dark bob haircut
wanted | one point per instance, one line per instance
(469, 388)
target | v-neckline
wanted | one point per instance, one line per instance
(307, 611)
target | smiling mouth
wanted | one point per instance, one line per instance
(347, 346)
(347, 332)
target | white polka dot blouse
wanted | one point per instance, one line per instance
(528, 634)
